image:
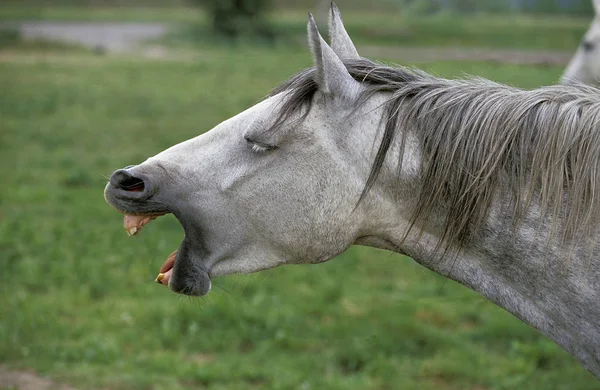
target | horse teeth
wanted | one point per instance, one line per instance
(160, 278)
(131, 231)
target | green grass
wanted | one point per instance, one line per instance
(366, 27)
(79, 301)
(99, 13)
(478, 30)
(11, 40)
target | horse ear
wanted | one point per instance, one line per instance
(341, 43)
(330, 73)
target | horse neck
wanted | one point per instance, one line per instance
(552, 288)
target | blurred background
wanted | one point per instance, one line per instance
(87, 87)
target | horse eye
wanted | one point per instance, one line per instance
(259, 147)
(587, 46)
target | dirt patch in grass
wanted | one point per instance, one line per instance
(27, 380)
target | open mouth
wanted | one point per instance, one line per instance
(133, 224)
(132, 193)
(182, 271)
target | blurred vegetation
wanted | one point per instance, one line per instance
(235, 18)
(563, 7)
(191, 26)
(11, 39)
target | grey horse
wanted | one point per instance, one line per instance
(492, 186)
(584, 67)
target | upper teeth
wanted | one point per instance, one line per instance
(132, 231)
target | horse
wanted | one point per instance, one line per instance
(584, 67)
(492, 186)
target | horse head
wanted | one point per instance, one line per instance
(266, 187)
(584, 67)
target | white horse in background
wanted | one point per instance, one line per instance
(584, 67)
(492, 186)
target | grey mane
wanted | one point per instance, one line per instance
(480, 140)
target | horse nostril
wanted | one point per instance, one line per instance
(127, 182)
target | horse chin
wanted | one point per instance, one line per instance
(188, 274)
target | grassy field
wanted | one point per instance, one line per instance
(79, 302)
(366, 27)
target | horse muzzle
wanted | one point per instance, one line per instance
(133, 192)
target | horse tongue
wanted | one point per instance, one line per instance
(167, 269)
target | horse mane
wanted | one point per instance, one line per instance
(480, 139)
